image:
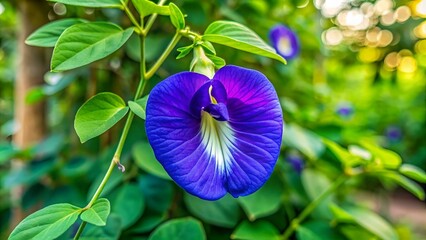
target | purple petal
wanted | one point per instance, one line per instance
(284, 41)
(174, 134)
(255, 118)
(202, 152)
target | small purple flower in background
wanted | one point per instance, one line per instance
(296, 161)
(284, 41)
(393, 133)
(345, 110)
(219, 135)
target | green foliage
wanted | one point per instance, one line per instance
(176, 17)
(384, 157)
(47, 223)
(128, 203)
(265, 201)
(406, 183)
(240, 37)
(146, 7)
(48, 35)
(413, 172)
(98, 213)
(145, 159)
(314, 196)
(99, 114)
(259, 230)
(370, 221)
(223, 212)
(303, 140)
(85, 43)
(92, 3)
(138, 107)
(183, 228)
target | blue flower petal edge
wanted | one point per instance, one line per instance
(285, 41)
(215, 136)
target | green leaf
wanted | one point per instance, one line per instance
(259, 230)
(47, 35)
(315, 183)
(138, 107)
(208, 47)
(7, 151)
(303, 233)
(98, 213)
(320, 228)
(413, 172)
(146, 7)
(85, 43)
(345, 157)
(406, 183)
(183, 51)
(223, 212)
(240, 37)
(182, 228)
(47, 223)
(176, 16)
(99, 114)
(387, 158)
(372, 222)
(111, 231)
(218, 61)
(158, 195)
(265, 201)
(128, 203)
(91, 3)
(145, 159)
(303, 140)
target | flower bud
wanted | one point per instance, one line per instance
(201, 63)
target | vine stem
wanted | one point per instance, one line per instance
(151, 19)
(145, 76)
(314, 204)
(165, 54)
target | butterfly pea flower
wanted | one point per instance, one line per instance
(285, 41)
(345, 110)
(393, 133)
(216, 136)
(296, 162)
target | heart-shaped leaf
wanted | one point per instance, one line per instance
(47, 223)
(99, 114)
(98, 213)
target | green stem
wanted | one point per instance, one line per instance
(314, 204)
(145, 76)
(163, 57)
(131, 17)
(117, 155)
(80, 230)
(151, 19)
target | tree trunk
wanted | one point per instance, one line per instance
(31, 67)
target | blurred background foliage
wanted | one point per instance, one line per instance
(360, 77)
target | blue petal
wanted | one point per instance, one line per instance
(175, 136)
(284, 41)
(207, 157)
(255, 117)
